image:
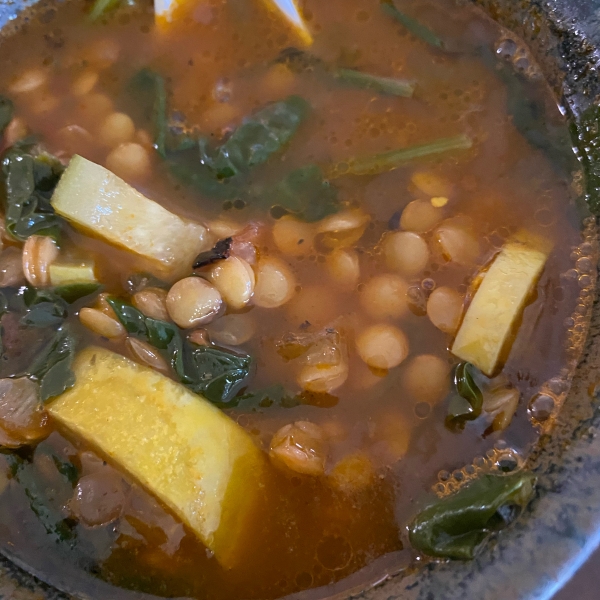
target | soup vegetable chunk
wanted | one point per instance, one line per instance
(285, 301)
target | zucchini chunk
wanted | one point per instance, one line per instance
(498, 304)
(100, 203)
(67, 273)
(190, 455)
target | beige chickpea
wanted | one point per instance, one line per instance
(146, 354)
(39, 252)
(93, 107)
(457, 241)
(406, 252)
(44, 102)
(84, 83)
(427, 378)
(323, 379)
(342, 229)
(382, 346)
(29, 80)
(235, 280)
(193, 301)
(103, 53)
(232, 330)
(353, 473)
(343, 268)
(444, 308)
(130, 161)
(420, 216)
(152, 302)
(301, 447)
(431, 184)
(293, 237)
(11, 267)
(275, 283)
(100, 323)
(117, 128)
(384, 297)
(223, 228)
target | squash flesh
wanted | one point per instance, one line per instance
(498, 304)
(95, 200)
(181, 448)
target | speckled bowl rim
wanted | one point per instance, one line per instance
(561, 528)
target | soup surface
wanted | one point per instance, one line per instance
(371, 262)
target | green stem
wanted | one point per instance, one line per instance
(383, 85)
(417, 29)
(387, 161)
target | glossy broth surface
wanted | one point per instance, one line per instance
(384, 438)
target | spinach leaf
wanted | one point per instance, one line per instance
(52, 367)
(304, 193)
(387, 161)
(43, 308)
(148, 84)
(585, 132)
(467, 403)
(27, 180)
(67, 469)
(256, 139)
(383, 85)
(7, 110)
(72, 292)
(219, 252)
(216, 374)
(454, 527)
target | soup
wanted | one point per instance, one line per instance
(280, 305)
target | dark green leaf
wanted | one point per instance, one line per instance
(304, 193)
(7, 110)
(417, 29)
(217, 374)
(372, 165)
(219, 252)
(75, 291)
(256, 139)
(383, 85)
(149, 85)
(52, 367)
(453, 527)
(131, 318)
(44, 314)
(166, 336)
(467, 404)
(26, 184)
(67, 469)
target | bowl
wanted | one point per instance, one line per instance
(561, 527)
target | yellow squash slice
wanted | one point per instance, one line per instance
(95, 200)
(190, 455)
(498, 304)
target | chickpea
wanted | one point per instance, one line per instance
(101, 323)
(444, 308)
(44, 102)
(384, 297)
(301, 447)
(343, 229)
(427, 378)
(220, 115)
(431, 184)
(93, 107)
(278, 81)
(29, 81)
(117, 128)
(233, 330)
(103, 53)
(152, 302)
(11, 267)
(420, 216)
(85, 83)
(223, 228)
(130, 161)
(275, 283)
(406, 252)
(235, 280)
(352, 474)
(323, 379)
(382, 346)
(193, 301)
(457, 241)
(293, 237)
(343, 268)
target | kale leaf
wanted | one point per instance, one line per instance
(454, 527)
